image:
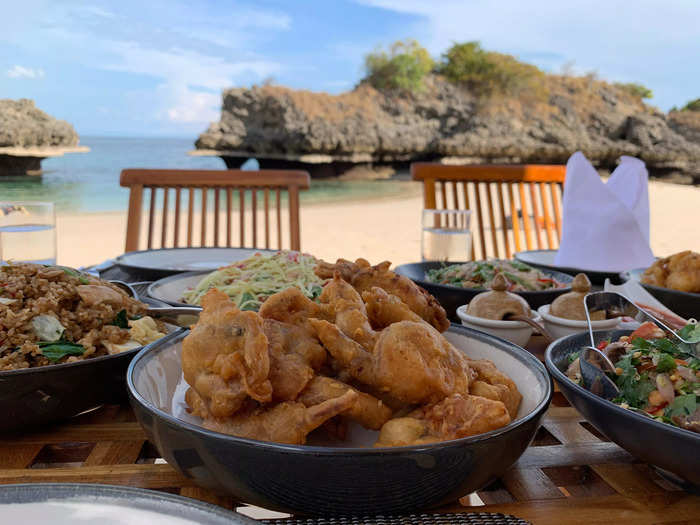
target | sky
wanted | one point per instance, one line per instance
(157, 67)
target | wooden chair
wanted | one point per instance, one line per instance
(230, 189)
(500, 197)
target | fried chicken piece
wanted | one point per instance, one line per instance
(225, 357)
(288, 422)
(454, 417)
(296, 340)
(384, 309)
(293, 307)
(367, 410)
(491, 383)
(410, 360)
(363, 277)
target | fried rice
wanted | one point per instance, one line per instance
(79, 310)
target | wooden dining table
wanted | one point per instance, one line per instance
(570, 473)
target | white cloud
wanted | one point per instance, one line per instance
(25, 72)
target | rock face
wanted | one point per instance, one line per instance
(277, 125)
(24, 125)
(28, 135)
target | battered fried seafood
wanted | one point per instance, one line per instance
(410, 360)
(680, 271)
(454, 417)
(225, 359)
(280, 374)
(364, 277)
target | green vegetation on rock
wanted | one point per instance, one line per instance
(693, 105)
(402, 68)
(487, 72)
(635, 89)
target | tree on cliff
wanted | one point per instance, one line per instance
(402, 68)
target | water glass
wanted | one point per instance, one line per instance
(446, 235)
(27, 232)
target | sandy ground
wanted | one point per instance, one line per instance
(381, 229)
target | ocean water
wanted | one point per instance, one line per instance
(89, 182)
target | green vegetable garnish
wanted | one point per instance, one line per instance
(521, 266)
(514, 278)
(573, 356)
(665, 363)
(316, 290)
(121, 320)
(690, 332)
(59, 349)
(245, 299)
(682, 406)
(634, 388)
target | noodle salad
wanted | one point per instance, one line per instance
(249, 282)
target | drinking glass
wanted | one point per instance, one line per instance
(28, 232)
(446, 235)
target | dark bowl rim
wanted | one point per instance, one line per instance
(634, 275)
(177, 276)
(519, 353)
(561, 377)
(63, 366)
(119, 260)
(448, 288)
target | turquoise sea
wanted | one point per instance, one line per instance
(89, 182)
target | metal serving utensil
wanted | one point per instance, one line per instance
(617, 305)
(178, 315)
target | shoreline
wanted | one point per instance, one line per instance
(387, 227)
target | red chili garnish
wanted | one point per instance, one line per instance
(602, 345)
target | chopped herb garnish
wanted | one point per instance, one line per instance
(665, 363)
(121, 320)
(521, 266)
(54, 351)
(682, 406)
(573, 356)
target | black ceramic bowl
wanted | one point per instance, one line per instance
(33, 397)
(452, 297)
(335, 480)
(685, 304)
(671, 448)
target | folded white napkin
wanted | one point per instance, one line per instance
(605, 227)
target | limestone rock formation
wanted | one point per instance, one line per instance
(284, 127)
(27, 135)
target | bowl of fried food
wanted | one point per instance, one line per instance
(66, 340)
(673, 280)
(361, 401)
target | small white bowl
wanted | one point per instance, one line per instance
(516, 332)
(560, 327)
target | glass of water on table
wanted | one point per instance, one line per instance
(446, 235)
(27, 232)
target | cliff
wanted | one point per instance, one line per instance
(278, 125)
(28, 135)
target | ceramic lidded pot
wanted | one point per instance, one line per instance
(490, 311)
(567, 314)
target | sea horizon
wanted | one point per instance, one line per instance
(89, 182)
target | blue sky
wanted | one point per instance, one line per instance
(139, 68)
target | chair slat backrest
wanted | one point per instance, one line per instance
(210, 209)
(514, 207)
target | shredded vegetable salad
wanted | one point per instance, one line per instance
(479, 274)
(249, 282)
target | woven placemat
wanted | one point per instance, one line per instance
(469, 518)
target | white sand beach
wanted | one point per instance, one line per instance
(378, 229)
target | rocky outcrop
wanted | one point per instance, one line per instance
(28, 135)
(280, 126)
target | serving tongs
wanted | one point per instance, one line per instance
(184, 316)
(594, 363)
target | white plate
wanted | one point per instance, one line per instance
(185, 259)
(76, 503)
(170, 289)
